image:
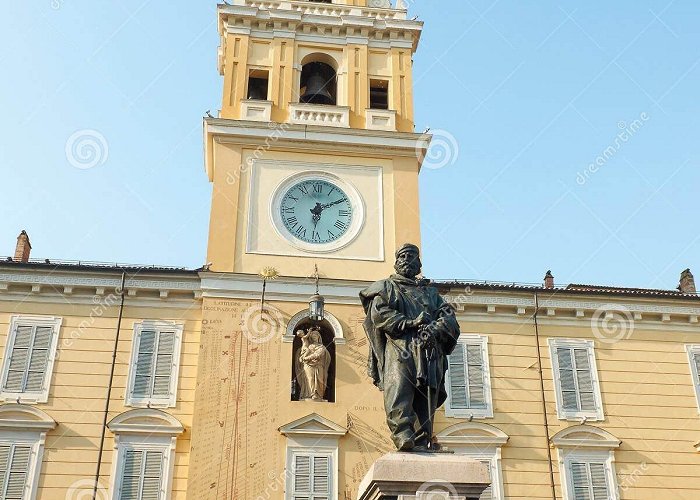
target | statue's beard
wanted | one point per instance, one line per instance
(408, 269)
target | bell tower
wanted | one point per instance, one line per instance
(313, 157)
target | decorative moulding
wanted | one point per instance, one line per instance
(339, 338)
(585, 437)
(145, 421)
(473, 433)
(23, 417)
(313, 425)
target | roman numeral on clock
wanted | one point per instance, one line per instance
(318, 188)
(292, 221)
(344, 213)
(301, 231)
(340, 225)
(287, 210)
(315, 236)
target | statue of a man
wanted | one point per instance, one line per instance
(312, 363)
(411, 332)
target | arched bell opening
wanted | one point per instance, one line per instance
(313, 356)
(319, 84)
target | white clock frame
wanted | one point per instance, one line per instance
(356, 200)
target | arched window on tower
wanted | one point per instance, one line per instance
(319, 83)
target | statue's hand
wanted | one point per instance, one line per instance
(422, 319)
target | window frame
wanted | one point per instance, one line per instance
(154, 401)
(161, 443)
(692, 350)
(567, 456)
(483, 453)
(563, 414)
(34, 321)
(477, 413)
(312, 452)
(36, 440)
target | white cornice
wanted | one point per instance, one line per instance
(286, 289)
(308, 137)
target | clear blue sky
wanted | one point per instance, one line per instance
(527, 95)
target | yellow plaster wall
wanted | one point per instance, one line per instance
(79, 386)
(648, 400)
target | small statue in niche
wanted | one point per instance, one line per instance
(312, 361)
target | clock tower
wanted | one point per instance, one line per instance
(313, 157)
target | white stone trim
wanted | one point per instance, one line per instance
(19, 417)
(154, 402)
(563, 414)
(145, 421)
(585, 437)
(312, 435)
(480, 442)
(123, 443)
(256, 110)
(319, 115)
(283, 289)
(473, 412)
(23, 320)
(380, 119)
(338, 335)
(692, 350)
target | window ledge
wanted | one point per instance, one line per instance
(477, 413)
(256, 110)
(381, 119)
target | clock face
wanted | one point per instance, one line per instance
(316, 211)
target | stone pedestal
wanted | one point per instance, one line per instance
(424, 476)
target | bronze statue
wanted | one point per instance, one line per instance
(411, 332)
(312, 362)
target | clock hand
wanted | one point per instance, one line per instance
(328, 205)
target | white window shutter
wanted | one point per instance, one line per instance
(599, 482)
(475, 369)
(29, 359)
(302, 477)
(466, 374)
(696, 362)
(457, 366)
(142, 475)
(312, 477)
(589, 481)
(163, 364)
(144, 364)
(14, 468)
(576, 379)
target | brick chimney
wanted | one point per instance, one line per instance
(687, 284)
(549, 280)
(24, 248)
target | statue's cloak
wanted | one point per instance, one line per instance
(388, 305)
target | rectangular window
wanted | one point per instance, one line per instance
(258, 80)
(29, 358)
(589, 475)
(311, 476)
(15, 461)
(694, 358)
(142, 475)
(154, 364)
(468, 379)
(576, 379)
(379, 94)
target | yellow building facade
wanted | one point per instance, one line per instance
(155, 383)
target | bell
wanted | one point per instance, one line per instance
(317, 79)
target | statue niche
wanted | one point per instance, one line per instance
(313, 363)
